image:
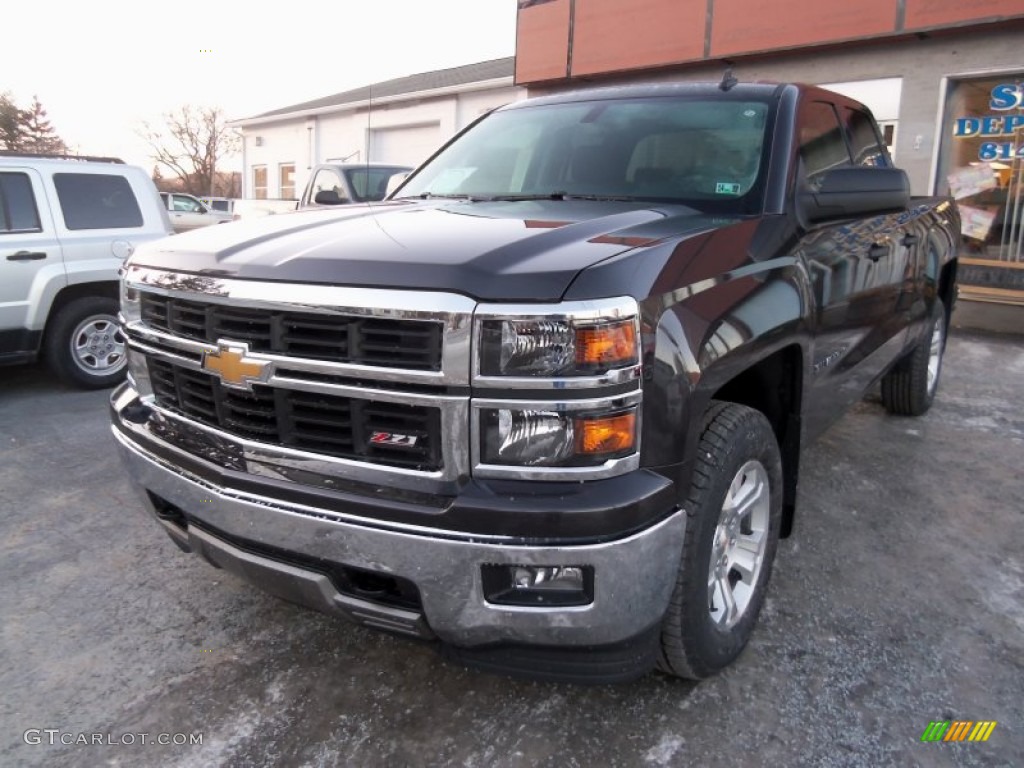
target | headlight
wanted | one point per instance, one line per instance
(581, 363)
(573, 340)
(527, 438)
(535, 437)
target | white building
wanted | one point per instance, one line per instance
(401, 121)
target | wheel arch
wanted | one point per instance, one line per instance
(755, 354)
(107, 289)
(773, 385)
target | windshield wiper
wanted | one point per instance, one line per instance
(520, 198)
(434, 196)
(558, 196)
(604, 198)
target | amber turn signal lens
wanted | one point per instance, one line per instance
(611, 434)
(606, 346)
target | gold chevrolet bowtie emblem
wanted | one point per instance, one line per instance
(234, 368)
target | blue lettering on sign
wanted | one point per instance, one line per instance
(1003, 97)
(966, 126)
(1007, 96)
(991, 125)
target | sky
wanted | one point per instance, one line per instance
(102, 68)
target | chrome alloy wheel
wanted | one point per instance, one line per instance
(935, 355)
(98, 346)
(738, 545)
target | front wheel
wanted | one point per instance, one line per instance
(84, 343)
(734, 511)
(909, 388)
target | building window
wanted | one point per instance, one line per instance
(259, 182)
(982, 145)
(286, 178)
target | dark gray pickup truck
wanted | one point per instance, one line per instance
(546, 404)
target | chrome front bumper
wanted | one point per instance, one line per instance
(633, 576)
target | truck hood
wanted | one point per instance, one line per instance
(492, 251)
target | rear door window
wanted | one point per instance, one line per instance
(18, 212)
(97, 201)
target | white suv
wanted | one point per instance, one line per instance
(66, 226)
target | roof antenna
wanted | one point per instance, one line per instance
(728, 81)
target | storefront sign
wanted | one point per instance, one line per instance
(1003, 97)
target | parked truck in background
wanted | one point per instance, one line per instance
(344, 183)
(545, 405)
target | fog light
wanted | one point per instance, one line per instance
(538, 585)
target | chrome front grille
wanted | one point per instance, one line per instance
(357, 385)
(372, 341)
(325, 424)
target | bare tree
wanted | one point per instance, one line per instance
(191, 145)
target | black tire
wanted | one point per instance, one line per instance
(84, 344)
(909, 388)
(695, 643)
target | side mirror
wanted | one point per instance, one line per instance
(851, 191)
(394, 182)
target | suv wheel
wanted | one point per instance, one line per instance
(84, 344)
(734, 513)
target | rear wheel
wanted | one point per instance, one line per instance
(909, 388)
(734, 512)
(84, 343)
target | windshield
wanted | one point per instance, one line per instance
(709, 154)
(370, 184)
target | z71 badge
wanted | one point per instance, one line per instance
(393, 438)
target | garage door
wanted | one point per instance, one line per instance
(408, 145)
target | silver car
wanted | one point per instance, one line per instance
(188, 212)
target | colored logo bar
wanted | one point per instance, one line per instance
(958, 730)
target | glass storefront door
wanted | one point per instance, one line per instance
(981, 164)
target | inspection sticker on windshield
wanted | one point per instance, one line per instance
(727, 188)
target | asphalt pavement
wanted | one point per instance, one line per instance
(898, 601)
